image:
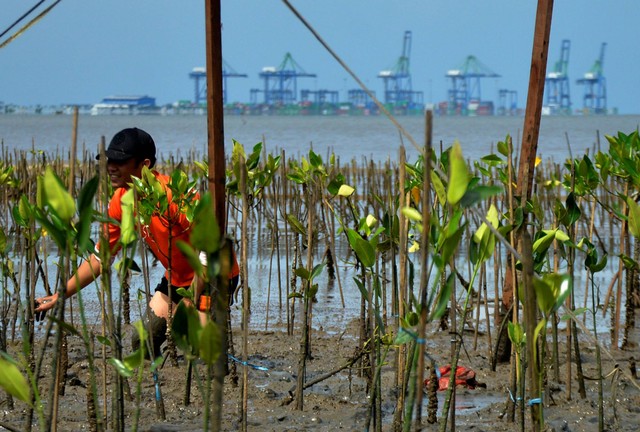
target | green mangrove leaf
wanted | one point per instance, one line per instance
(13, 382)
(484, 237)
(57, 196)
(185, 293)
(561, 236)
(629, 263)
(205, 233)
(334, 185)
(295, 295)
(185, 328)
(40, 199)
(314, 159)
(142, 332)
(561, 287)
(128, 263)
(443, 299)
(543, 243)
(295, 224)
(492, 160)
(303, 273)
(576, 313)
(364, 250)
(503, 147)
(346, 191)
(544, 295)
(592, 263)
(317, 270)
(87, 193)
(192, 256)
(412, 214)
(210, 343)
(438, 186)
(104, 340)
(128, 233)
(202, 166)
(542, 325)
(362, 288)
(135, 359)
(403, 338)
(254, 158)
(57, 233)
(121, 367)
(312, 291)
(573, 210)
(412, 319)
(458, 175)
(634, 217)
(448, 243)
(3, 242)
(478, 194)
(516, 334)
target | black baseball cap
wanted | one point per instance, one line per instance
(131, 143)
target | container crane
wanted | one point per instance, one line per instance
(557, 84)
(398, 91)
(508, 102)
(280, 84)
(465, 93)
(595, 87)
(199, 76)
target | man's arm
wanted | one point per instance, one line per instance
(88, 271)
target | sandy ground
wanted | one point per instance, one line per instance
(340, 402)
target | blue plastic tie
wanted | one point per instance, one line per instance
(514, 400)
(531, 402)
(413, 335)
(157, 385)
(244, 363)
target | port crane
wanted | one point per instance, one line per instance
(398, 91)
(465, 84)
(281, 83)
(557, 83)
(199, 76)
(595, 86)
(508, 102)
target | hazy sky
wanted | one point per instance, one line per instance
(84, 50)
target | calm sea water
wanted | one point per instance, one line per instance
(373, 137)
(349, 137)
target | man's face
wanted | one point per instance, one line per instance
(120, 172)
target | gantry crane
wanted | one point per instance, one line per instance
(557, 83)
(465, 84)
(280, 84)
(508, 102)
(199, 76)
(595, 87)
(398, 90)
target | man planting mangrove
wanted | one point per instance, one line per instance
(128, 153)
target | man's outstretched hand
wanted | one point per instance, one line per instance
(43, 304)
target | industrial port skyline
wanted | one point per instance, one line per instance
(64, 60)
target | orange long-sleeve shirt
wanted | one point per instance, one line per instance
(156, 235)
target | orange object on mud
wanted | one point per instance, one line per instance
(464, 377)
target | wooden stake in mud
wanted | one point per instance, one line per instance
(526, 168)
(535, 94)
(532, 115)
(215, 127)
